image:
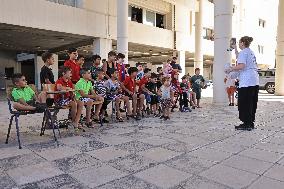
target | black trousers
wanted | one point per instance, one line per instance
(247, 103)
(183, 100)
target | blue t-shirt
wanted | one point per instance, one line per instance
(249, 75)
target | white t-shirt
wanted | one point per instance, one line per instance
(230, 81)
(249, 75)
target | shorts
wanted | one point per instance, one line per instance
(166, 103)
(39, 107)
(49, 102)
(198, 93)
(154, 99)
(84, 99)
(231, 90)
(63, 102)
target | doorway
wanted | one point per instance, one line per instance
(28, 70)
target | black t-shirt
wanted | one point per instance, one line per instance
(46, 73)
(175, 66)
(152, 87)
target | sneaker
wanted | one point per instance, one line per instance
(121, 110)
(243, 127)
(104, 120)
(166, 118)
(137, 117)
(162, 116)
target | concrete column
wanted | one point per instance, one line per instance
(223, 12)
(38, 65)
(80, 4)
(198, 55)
(279, 78)
(122, 28)
(181, 62)
(102, 47)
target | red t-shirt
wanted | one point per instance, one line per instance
(75, 70)
(130, 84)
(121, 72)
(64, 83)
(143, 81)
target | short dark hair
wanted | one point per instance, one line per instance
(111, 53)
(153, 75)
(120, 55)
(80, 56)
(127, 65)
(196, 69)
(104, 60)
(83, 71)
(72, 49)
(138, 64)
(95, 57)
(45, 56)
(159, 68)
(65, 69)
(147, 70)
(16, 77)
(111, 71)
(174, 57)
(184, 77)
(132, 70)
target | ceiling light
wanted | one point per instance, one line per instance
(155, 54)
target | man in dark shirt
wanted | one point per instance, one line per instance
(46, 75)
(176, 66)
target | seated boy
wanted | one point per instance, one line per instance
(114, 92)
(129, 87)
(64, 83)
(151, 86)
(24, 96)
(101, 90)
(85, 95)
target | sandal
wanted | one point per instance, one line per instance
(119, 119)
(90, 125)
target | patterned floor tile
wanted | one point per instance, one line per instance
(77, 162)
(132, 163)
(134, 146)
(90, 146)
(6, 182)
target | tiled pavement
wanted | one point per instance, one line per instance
(197, 150)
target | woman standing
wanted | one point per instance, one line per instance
(248, 84)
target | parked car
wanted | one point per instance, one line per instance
(267, 80)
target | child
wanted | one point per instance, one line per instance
(142, 87)
(167, 97)
(73, 54)
(114, 92)
(46, 74)
(167, 68)
(25, 98)
(120, 67)
(64, 83)
(175, 87)
(197, 82)
(231, 88)
(151, 86)
(101, 90)
(96, 65)
(129, 86)
(140, 73)
(183, 100)
(80, 60)
(85, 95)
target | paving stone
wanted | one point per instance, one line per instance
(136, 135)
(197, 182)
(59, 182)
(93, 177)
(265, 183)
(227, 147)
(189, 164)
(6, 182)
(157, 140)
(132, 163)
(20, 161)
(77, 162)
(276, 172)
(42, 146)
(163, 176)
(210, 154)
(248, 164)
(179, 147)
(114, 140)
(154, 131)
(58, 153)
(128, 182)
(74, 140)
(159, 154)
(108, 153)
(33, 173)
(229, 176)
(90, 146)
(120, 131)
(262, 155)
(134, 146)
(13, 151)
(270, 147)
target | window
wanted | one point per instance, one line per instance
(150, 18)
(261, 23)
(135, 14)
(234, 9)
(65, 2)
(160, 20)
(208, 34)
(211, 1)
(260, 49)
